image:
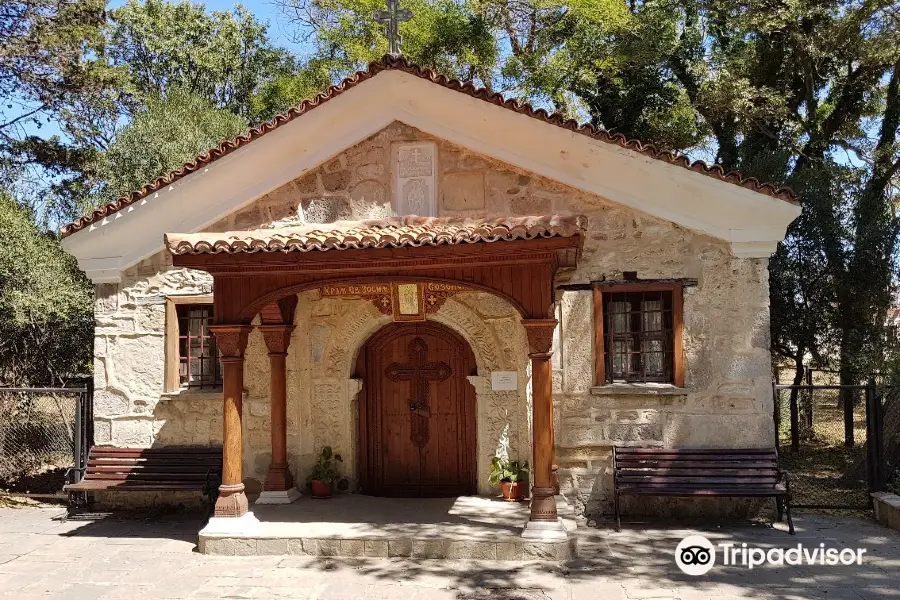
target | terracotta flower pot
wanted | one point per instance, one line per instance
(513, 491)
(320, 489)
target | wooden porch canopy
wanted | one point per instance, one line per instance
(261, 271)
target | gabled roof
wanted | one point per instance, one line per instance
(392, 232)
(401, 64)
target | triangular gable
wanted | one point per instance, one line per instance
(740, 210)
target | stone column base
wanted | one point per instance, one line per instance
(278, 496)
(545, 530)
(245, 524)
(232, 501)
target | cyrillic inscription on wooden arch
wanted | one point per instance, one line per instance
(435, 293)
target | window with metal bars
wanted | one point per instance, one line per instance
(638, 336)
(198, 359)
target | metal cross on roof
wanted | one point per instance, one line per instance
(391, 19)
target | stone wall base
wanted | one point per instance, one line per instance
(887, 509)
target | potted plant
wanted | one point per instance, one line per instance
(512, 475)
(325, 474)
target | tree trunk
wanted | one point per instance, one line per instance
(848, 376)
(795, 411)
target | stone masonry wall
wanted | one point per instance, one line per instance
(726, 323)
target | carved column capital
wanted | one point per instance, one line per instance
(540, 336)
(231, 340)
(277, 337)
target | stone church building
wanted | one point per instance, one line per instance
(424, 275)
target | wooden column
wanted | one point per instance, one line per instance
(278, 338)
(231, 340)
(540, 341)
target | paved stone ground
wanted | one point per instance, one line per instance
(153, 559)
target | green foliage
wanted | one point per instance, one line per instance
(452, 36)
(290, 89)
(49, 71)
(327, 469)
(504, 470)
(224, 57)
(46, 310)
(170, 131)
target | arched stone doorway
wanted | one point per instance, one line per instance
(417, 412)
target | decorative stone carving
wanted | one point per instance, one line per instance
(325, 210)
(106, 298)
(414, 181)
(330, 415)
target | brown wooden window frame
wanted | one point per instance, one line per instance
(602, 292)
(173, 342)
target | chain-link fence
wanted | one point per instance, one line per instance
(889, 441)
(43, 432)
(822, 438)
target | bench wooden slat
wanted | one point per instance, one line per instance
(700, 480)
(146, 469)
(98, 450)
(625, 451)
(149, 476)
(751, 472)
(681, 473)
(151, 468)
(690, 460)
(96, 486)
(732, 493)
(676, 465)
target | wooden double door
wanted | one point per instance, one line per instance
(417, 413)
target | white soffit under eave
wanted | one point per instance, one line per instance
(753, 222)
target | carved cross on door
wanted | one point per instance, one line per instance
(418, 372)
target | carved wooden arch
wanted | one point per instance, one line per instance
(272, 298)
(279, 312)
(339, 362)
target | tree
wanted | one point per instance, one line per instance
(289, 89)
(48, 70)
(46, 310)
(224, 57)
(454, 37)
(170, 131)
(145, 52)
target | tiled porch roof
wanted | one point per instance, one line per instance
(466, 87)
(394, 232)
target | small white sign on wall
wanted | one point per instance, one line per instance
(504, 381)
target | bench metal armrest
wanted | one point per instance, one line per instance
(74, 470)
(615, 470)
(785, 477)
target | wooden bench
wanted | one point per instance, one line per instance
(170, 469)
(701, 473)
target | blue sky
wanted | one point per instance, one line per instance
(267, 11)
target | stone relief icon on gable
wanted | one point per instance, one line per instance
(414, 179)
(415, 196)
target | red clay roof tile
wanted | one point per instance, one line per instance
(393, 232)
